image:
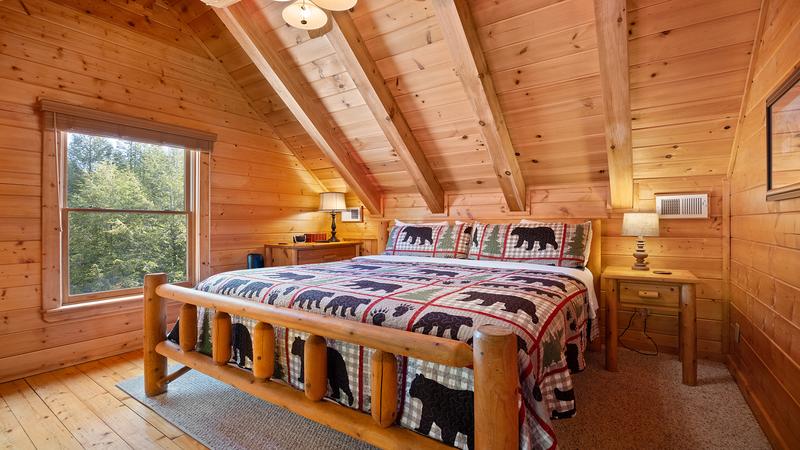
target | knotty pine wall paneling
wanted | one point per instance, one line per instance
(123, 58)
(765, 249)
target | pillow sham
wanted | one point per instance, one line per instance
(441, 241)
(399, 222)
(553, 244)
(588, 249)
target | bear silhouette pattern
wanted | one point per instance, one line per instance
(242, 344)
(418, 235)
(545, 282)
(290, 276)
(374, 286)
(438, 273)
(442, 322)
(341, 304)
(306, 298)
(338, 379)
(451, 410)
(511, 303)
(231, 286)
(543, 236)
(253, 288)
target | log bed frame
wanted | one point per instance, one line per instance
(493, 358)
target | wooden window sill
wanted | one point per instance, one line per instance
(97, 308)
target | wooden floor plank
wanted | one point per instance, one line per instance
(105, 377)
(136, 431)
(43, 428)
(187, 442)
(12, 435)
(85, 425)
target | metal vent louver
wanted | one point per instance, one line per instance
(683, 206)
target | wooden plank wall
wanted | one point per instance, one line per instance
(765, 249)
(684, 244)
(119, 57)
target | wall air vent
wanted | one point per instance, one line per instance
(682, 206)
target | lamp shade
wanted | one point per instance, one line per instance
(640, 224)
(336, 5)
(332, 201)
(305, 15)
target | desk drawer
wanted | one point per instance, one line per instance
(665, 295)
(323, 255)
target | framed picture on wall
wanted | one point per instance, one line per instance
(353, 214)
(783, 140)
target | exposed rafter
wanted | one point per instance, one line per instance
(612, 44)
(461, 36)
(355, 57)
(300, 102)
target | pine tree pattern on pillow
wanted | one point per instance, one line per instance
(552, 244)
(441, 241)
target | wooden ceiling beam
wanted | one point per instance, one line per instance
(461, 37)
(355, 57)
(612, 45)
(300, 102)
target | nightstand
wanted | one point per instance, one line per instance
(309, 253)
(659, 292)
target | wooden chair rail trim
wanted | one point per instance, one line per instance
(415, 345)
(349, 421)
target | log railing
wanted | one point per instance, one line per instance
(493, 359)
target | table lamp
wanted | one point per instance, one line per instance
(640, 225)
(332, 202)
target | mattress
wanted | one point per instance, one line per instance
(548, 308)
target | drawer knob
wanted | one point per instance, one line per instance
(649, 294)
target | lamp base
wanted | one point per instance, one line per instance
(641, 256)
(333, 228)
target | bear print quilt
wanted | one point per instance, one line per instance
(548, 310)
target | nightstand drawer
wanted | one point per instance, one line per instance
(649, 294)
(322, 255)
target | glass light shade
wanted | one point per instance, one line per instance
(336, 5)
(219, 3)
(332, 201)
(304, 15)
(640, 224)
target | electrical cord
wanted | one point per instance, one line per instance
(644, 330)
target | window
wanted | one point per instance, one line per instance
(128, 197)
(126, 215)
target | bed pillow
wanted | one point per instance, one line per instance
(440, 241)
(554, 244)
(588, 249)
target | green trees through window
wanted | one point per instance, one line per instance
(126, 211)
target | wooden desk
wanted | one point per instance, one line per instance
(658, 289)
(313, 253)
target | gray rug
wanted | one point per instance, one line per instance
(222, 417)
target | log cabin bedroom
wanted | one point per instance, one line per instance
(400, 224)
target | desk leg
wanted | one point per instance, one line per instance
(612, 330)
(688, 333)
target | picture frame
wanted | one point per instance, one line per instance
(353, 214)
(783, 140)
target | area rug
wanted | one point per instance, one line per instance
(222, 417)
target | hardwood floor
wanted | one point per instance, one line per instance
(81, 407)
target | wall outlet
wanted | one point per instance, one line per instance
(644, 312)
(736, 332)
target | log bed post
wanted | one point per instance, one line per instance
(263, 351)
(496, 389)
(187, 330)
(155, 331)
(315, 360)
(383, 387)
(221, 338)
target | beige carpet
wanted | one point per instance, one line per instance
(645, 406)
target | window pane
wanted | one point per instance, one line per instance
(116, 174)
(109, 251)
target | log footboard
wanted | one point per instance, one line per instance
(493, 358)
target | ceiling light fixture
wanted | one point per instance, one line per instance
(219, 3)
(310, 15)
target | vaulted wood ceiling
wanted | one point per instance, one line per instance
(687, 63)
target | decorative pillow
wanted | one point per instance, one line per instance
(588, 249)
(554, 244)
(441, 241)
